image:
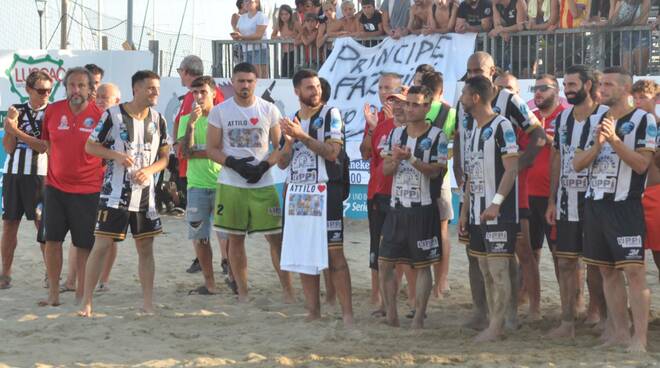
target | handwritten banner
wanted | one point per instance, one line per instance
(353, 70)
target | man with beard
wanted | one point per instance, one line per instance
(132, 138)
(490, 211)
(565, 204)
(313, 151)
(618, 155)
(73, 180)
(416, 157)
(239, 135)
(514, 109)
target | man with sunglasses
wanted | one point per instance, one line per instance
(25, 166)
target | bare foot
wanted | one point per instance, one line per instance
(289, 297)
(51, 303)
(511, 323)
(636, 347)
(348, 321)
(86, 311)
(417, 324)
(615, 341)
(242, 298)
(565, 330)
(592, 319)
(487, 335)
(477, 322)
(312, 317)
(148, 308)
(393, 321)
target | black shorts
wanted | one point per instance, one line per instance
(538, 227)
(614, 233)
(569, 239)
(335, 216)
(67, 211)
(412, 236)
(20, 196)
(113, 223)
(523, 213)
(493, 240)
(377, 209)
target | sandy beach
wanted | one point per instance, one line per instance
(205, 331)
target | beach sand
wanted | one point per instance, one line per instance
(204, 331)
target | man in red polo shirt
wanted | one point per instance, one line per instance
(546, 98)
(73, 180)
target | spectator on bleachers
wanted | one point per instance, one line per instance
(509, 16)
(337, 10)
(599, 12)
(307, 38)
(396, 14)
(332, 27)
(252, 27)
(369, 20)
(419, 73)
(443, 13)
(572, 14)
(286, 28)
(306, 6)
(474, 16)
(237, 15)
(420, 21)
(634, 44)
(542, 14)
(349, 23)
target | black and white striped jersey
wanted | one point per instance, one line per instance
(485, 149)
(411, 188)
(141, 140)
(610, 178)
(572, 185)
(307, 167)
(508, 105)
(25, 161)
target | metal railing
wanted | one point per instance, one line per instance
(525, 54)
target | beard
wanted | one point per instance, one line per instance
(77, 100)
(577, 98)
(311, 101)
(546, 103)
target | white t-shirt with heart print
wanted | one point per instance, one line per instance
(245, 133)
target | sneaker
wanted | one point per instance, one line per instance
(194, 267)
(225, 266)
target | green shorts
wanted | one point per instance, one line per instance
(247, 210)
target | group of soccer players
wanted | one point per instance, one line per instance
(88, 166)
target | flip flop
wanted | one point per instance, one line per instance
(5, 282)
(378, 313)
(66, 289)
(411, 315)
(202, 290)
(232, 285)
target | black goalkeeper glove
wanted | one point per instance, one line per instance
(256, 172)
(241, 165)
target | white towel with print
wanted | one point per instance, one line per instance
(305, 238)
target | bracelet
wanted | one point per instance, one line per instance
(498, 199)
(412, 159)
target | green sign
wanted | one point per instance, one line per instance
(21, 67)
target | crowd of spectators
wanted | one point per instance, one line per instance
(313, 24)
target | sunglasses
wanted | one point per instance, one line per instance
(43, 91)
(542, 88)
